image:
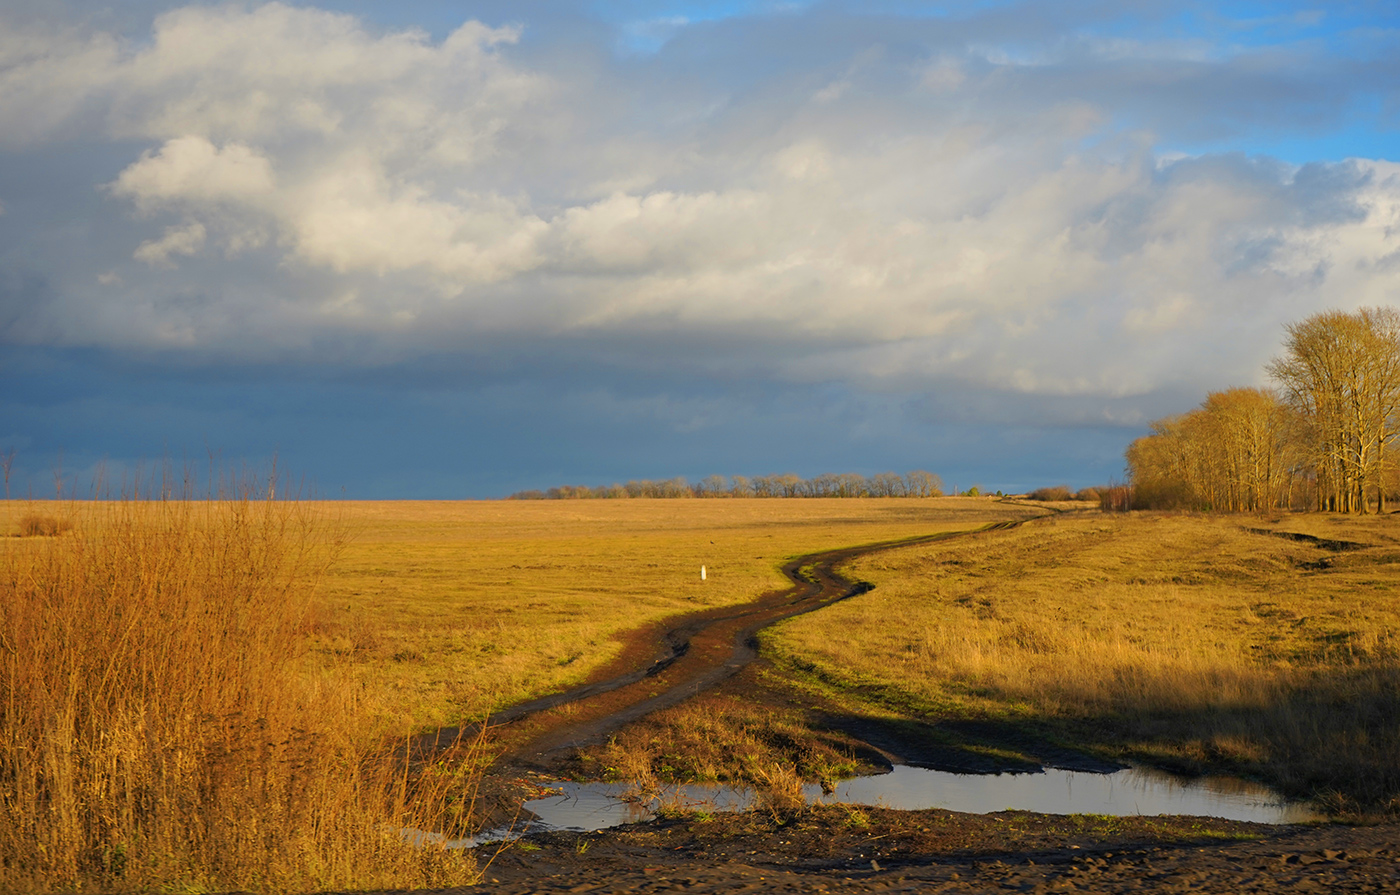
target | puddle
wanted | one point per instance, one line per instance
(596, 806)
(1134, 791)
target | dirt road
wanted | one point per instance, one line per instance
(663, 666)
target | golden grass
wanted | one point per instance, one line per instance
(447, 610)
(194, 700)
(1187, 640)
(718, 738)
(159, 729)
(42, 525)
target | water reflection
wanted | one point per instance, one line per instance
(596, 806)
(1128, 792)
(1135, 791)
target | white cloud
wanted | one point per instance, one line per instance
(48, 76)
(832, 92)
(182, 240)
(351, 218)
(192, 169)
(934, 219)
(808, 159)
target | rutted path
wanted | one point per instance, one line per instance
(704, 649)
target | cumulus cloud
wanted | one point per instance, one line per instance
(897, 204)
(192, 169)
(183, 240)
(353, 218)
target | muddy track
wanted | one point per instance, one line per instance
(696, 653)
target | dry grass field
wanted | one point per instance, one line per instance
(1196, 642)
(449, 610)
(199, 696)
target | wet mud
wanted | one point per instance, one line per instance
(838, 849)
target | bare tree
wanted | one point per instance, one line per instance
(1234, 453)
(1342, 372)
(923, 484)
(712, 486)
(886, 484)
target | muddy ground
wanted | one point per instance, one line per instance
(840, 849)
(864, 849)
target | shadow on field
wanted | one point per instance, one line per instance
(1332, 739)
(963, 747)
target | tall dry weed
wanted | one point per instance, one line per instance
(42, 525)
(158, 728)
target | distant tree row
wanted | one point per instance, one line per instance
(1061, 492)
(1320, 440)
(886, 484)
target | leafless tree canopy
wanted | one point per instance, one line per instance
(885, 484)
(1322, 439)
(1234, 453)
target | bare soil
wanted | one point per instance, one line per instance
(839, 849)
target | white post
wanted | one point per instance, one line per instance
(702, 573)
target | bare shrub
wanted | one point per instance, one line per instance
(1059, 492)
(1116, 499)
(42, 525)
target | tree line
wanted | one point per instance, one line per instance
(885, 484)
(1321, 439)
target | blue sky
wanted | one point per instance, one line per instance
(457, 249)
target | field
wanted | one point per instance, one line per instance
(446, 611)
(202, 696)
(1191, 642)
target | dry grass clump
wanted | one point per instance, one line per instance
(42, 525)
(1189, 641)
(159, 730)
(780, 792)
(720, 739)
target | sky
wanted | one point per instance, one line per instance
(436, 249)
